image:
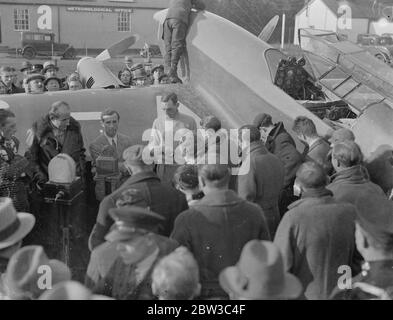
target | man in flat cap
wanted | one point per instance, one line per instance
(175, 32)
(122, 266)
(279, 142)
(374, 240)
(161, 198)
(316, 235)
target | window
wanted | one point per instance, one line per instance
(124, 21)
(21, 19)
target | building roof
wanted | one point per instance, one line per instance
(361, 9)
(153, 4)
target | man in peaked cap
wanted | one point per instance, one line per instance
(161, 198)
(121, 267)
(374, 240)
(36, 68)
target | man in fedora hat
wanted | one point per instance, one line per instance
(22, 278)
(316, 235)
(374, 240)
(26, 68)
(14, 226)
(260, 275)
(121, 267)
(161, 198)
(50, 69)
(217, 227)
(175, 32)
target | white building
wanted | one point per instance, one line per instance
(343, 17)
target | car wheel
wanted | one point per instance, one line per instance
(29, 53)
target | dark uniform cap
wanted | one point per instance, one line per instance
(35, 76)
(36, 68)
(129, 219)
(375, 216)
(134, 154)
(25, 65)
(342, 135)
(157, 66)
(261, 119)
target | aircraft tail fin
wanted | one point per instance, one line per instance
(118, 48)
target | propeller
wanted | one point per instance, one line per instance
(118, 48)
(268, 30)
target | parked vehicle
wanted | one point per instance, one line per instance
(380, 46)
(38, 43)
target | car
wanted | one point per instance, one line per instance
(380, 46)
(38, 43)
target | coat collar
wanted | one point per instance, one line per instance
(356, 174)
(316, 143)
(220, 198)
(278, 128)
(43, 126)
(142, 176)
(313, 196)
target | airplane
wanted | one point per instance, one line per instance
(230, 73)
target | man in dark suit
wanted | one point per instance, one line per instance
(175, 32)
(110, 136)
(7, 76)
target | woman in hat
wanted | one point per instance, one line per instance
(13, 167)
(52, 84)
(125, 77)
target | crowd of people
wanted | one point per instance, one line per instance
(285, 228)
(39, 78)
(281, 223)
